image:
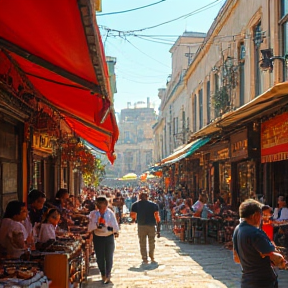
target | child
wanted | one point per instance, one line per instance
(266, 224)
(48, 225)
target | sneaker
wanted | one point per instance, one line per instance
(144, 262)
(153, 262)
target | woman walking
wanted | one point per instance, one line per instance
(103, 225)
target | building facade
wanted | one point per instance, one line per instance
(135, 147)
(232, 93)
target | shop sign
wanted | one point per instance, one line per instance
(274, 139)
(239, 145)
(220, 152)
(42, 142)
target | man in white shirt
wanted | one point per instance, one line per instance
(281, 212)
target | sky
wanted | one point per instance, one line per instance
(143, 60)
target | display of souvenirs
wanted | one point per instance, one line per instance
(22, 274)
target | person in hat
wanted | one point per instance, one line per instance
(104, 226)
(147, 215)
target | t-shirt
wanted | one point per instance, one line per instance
(249, 242)
(103, 225)
(12, 237)
(283, 214)
(47, 232)
(145, 212)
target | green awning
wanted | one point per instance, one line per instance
(192, 148)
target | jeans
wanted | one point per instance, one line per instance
(104, 248)
(145, 231)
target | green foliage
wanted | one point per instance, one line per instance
(220, 99)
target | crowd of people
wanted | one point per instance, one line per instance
(24, 226)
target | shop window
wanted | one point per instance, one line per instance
(224, 181)
(246, 180)
(37, 175)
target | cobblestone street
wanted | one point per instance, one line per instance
(179, 265)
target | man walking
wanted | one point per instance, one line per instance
(253, 249)
(147, 215)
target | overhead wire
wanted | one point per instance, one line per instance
(201, 9)
(130, 10)
(146, 54)
(133, 60)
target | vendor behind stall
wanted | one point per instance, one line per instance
(36, 208)
(12, 232)
(48, 226)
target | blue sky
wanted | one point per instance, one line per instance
(143, 57)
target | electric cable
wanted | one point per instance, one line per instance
(145, 53)
(199, 10)
(134, 9)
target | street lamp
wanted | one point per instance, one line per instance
(268, 58)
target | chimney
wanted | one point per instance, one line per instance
(128, 105)
(148, 102)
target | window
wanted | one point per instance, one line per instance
(195, 113)
(284, 26)
(140, 134)
(148, 158)
(242, 75)
(208, 101)
(216, 82)
(126, 137)
(200, 109)
(183, 130)
(258, 39)
(176, 125)
(216, 89)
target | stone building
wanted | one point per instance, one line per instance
(135, 147)
(234, 94)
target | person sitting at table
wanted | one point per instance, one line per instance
(186, 208)
(199, 204)
(280, 215)
(61, 198)
(281, 212)
(13, 234)
(49, 225)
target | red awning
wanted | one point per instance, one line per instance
(58, 46)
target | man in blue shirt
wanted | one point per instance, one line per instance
(253, 249)
(147, 215)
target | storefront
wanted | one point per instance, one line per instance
(220, 171)
(244, 164)
(274, 156)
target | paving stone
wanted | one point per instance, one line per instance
(179, 265)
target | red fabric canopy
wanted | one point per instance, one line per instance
(54, 55)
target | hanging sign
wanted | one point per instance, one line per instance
(274, 139)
